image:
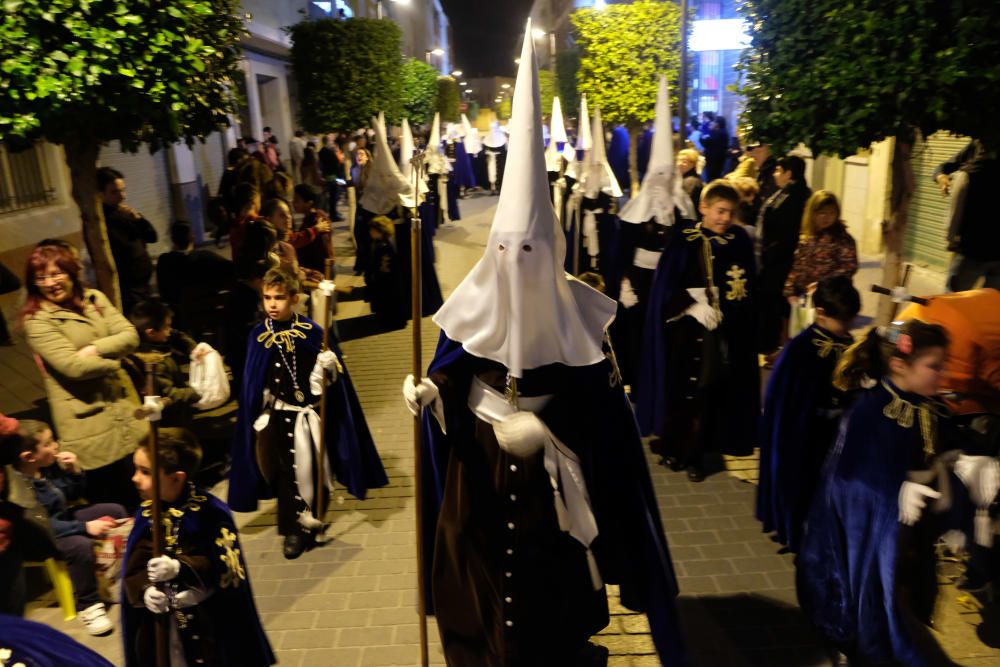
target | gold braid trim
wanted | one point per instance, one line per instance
(827, 345)
(285, 338)
(901, 411)
(695, 234)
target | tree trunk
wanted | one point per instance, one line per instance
(895, 231)
(633, 159)
(81, 157)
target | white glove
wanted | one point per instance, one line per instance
(162, 568)
(521, 434)
(981, 476)
(153, 408)
(419, 396)
(156, 600)
(912, 501)
(701, 309)
(326, 362)
(327, 287)
(626, 295)
(189, 597)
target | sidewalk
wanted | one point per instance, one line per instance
(353, 601)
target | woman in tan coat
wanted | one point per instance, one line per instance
(79, 337)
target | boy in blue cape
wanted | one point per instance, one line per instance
(802, 409)
(699, 380)
(201, 581)
(276, 441)
(537, 492)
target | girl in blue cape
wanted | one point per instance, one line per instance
(201, 581)
(802, 409)
(866, 569)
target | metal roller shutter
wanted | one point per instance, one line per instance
(927, 228)
(147, 186)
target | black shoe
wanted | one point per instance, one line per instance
(673, 463)
(295, 545)
(695, 474)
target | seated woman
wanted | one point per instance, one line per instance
(866, 570)
(79, 339)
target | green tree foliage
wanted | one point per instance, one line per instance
(838, 76)
(348, 71)
(504, 109)
(447, 99)
(623, 51)
(82, 73)
(567, 66)
(546, 90)
(420, 91)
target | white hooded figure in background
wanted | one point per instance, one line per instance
(496, 152)
(600, 195)
(531, 446)
(438, 168)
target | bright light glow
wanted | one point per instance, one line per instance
(437, 52)
(325, 6)
(719, 35)
(599, 4)
(457, 72)
(505, 86)
(538, 33)
(517, 61)
(401, 2)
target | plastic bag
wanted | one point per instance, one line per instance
(802, 316)
(208, 378)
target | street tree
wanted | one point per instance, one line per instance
(839, 76)
(447, 99)
(420, 91)
(567, 66)
(623, 51)
(82, 73)
(546, 90)
(347, 71)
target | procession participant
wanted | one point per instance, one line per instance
(802, 409)
(278, 425)
(439, 167)
(461, 164)
(496, 156)
(474, 147)
(577, 158)
(537, 486)
(866, 574)
(384, 283)
(699, 381)
(555, 162)
(600, 204)
(645, 219)
(201, 581)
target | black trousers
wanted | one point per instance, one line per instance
(277, 452)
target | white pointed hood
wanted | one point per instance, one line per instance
(473, 143)
(407, 149)
(437, 163)
(386, 186)
(517, 306)
(661, 188)
(496, 138)
(558, 136)
(584, 143)
(597, 174)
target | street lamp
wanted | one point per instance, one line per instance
(457, 73)
(538, 33)
(505, 86)
(432, 52)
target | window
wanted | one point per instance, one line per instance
(24, 179)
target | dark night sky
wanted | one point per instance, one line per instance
(485, 33)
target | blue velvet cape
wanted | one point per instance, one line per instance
(353, 458)
(239, 635)
(846, 570)
(794, 439)
(462, 169)
(632, 550)
(38, 645)
(737, 329)
(618, 156)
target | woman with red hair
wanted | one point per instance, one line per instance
(78, 339)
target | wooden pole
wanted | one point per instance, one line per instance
(319, 504)
(416, 282)
(161, 629)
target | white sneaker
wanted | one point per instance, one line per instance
(95, 620)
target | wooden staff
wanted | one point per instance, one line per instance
(161, 632)
(320, 502)
(416, 282)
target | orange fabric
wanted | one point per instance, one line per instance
(972, 320)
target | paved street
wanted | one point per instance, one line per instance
(352, 601)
